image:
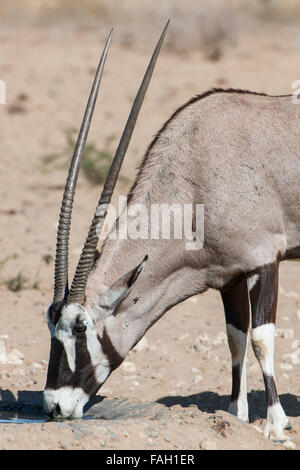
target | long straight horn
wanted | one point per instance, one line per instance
(77, 291)
(63, 231)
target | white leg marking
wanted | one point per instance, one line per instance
(263, 345)
(262, 338)
(276, 422)
(237, 340)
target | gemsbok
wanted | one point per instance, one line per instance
(236, 153)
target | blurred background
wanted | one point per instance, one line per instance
(49, 50)
(49, 53)
(206, 25)
(196, 24)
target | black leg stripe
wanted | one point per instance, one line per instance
(236, 382)
(236, 305)
(263, 295)
(271, 392)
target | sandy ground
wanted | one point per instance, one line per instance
(183, 365)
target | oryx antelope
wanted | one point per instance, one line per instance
(238, 154)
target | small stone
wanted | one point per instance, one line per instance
(180, 384)
(103, 443)
(286, 333)
(128, 366)
(203, 338)
(221, 339)
(182, 337)
(151, 432)
(197, 379)
(206, 444)
(36, 365)
(294, 357)
(15, 357)
(291, 294)
(18, 371)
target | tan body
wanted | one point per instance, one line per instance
(239, 155)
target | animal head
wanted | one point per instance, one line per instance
(78, 364)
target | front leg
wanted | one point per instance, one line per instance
(237, 313)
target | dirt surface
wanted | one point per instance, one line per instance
(182, 366)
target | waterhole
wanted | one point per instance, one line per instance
(20, 412)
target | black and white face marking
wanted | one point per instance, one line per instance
(77, 364)
(80, 360)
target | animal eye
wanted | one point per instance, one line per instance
(79, 328)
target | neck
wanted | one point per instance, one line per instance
(170, 275)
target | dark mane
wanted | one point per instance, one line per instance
(194, 99)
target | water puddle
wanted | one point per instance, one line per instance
(105, 409)
(22, 417)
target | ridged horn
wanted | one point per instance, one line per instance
(64, 224)
(77, 290)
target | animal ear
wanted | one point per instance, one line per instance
(121, 288)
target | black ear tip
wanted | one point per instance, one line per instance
(146, 257)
